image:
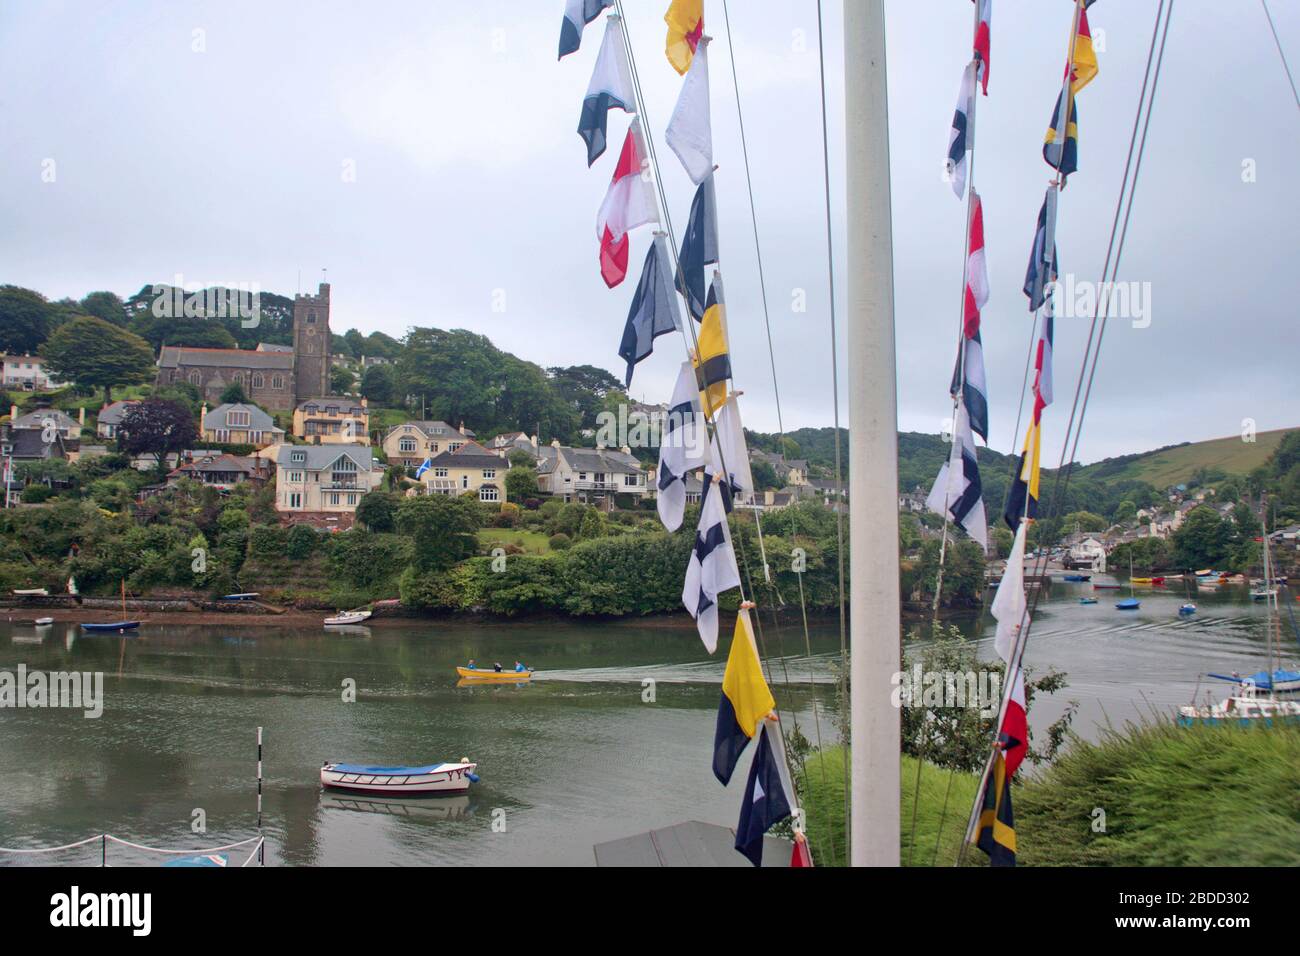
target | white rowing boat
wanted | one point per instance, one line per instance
(435, 778)
(348, 617)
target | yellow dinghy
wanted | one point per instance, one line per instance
(475, 673)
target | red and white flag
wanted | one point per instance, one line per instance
(977, 273)
(982, 42)
(1009, 609)
(630, 202)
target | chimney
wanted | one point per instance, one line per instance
(13, 413)
(555, 443)
(625, 450)
(81, 416)
(462, 426)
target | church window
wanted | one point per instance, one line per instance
(311, 317)
(277, 381)
(258, 381)
(195, 377)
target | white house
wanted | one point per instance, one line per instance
(323, 478)
(590, 475)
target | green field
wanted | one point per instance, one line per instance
(1173, 466)
(533, 542)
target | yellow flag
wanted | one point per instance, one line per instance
(1085, 57)
(685, 19)
(743, 684)
(713, 360)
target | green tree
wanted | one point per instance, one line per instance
(521, 483)
(376, 511)
(1203, 540)
(377, 385)
(341, 380)
(107, 306)
(1083, 521)
(1125, 511)
(234, 394)
(443, 530)
(97, 354)
(25, 319)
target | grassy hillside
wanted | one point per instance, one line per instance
(1177, 463)
(1172, 796)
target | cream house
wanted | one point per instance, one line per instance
(333, 420)
(471, 468)
(323, 478)
(240, 424)
(590, 474)
(410, 443)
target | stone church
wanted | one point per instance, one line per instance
(277, 377)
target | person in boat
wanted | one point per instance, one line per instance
(472, 665)
(497, 667)
(520, 668)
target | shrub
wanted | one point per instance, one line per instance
(35, 494)
(560, 541)
(267, 541)
(301, 542)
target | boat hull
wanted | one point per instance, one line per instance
(398, 781)
(112, 626)
(508, 677)
(352, 617)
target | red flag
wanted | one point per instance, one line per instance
(800, 856)
(982, 42)
(977, 276)
(628, 203)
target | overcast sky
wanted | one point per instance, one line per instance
(228, 163)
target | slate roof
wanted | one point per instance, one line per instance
(36, 420)
(259, 421)
(345, 404)
(112, 414)
(600, 460)
(176, 355)
(319, 457)
(429, 428)
(28, 444)
(469, 455)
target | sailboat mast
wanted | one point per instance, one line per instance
(873, 444)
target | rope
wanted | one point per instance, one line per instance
(835, 395)
(99, 837)
(1280, 52)
(771, 351)
(257, 849)
(1088, 368)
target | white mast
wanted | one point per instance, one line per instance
(873, 443)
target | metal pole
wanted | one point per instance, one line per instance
(873, 443)
(261, 848)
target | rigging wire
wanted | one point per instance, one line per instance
(1088, 367)
(1280, 52)
(776, 391)
(840, 500)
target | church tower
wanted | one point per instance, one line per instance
(311, 344)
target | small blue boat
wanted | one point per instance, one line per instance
(1128, 604)
(243, 596)
(111, 626)
(1187, 610)
(1075, 578)
(1087, 600)
(209, 859)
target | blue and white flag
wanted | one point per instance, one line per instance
(958, 491)
(690, 130)
(577, 14)
(729, 455)
(699, 249)
(961, 140)
(1043, 266)
(610, 88)
(654, 308)
(769, 794)
(712, 569)
(428, 463)
(683, 447)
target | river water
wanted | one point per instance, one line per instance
(579, 756)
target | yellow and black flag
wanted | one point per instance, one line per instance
(997, 824)
(713, 359)
(1022, 498)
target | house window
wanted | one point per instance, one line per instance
(223, 434)
(433, 447)
(440, 472)
(334, 498)
(454, 446)
(295, 500)
(277, 381)
(489, 473)
(631, 481)
(258, 381)
(488, 493)
(298, 456)
(297, 477)
(406, 445)
(352, 501)
(464, 482)
(238, 419)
